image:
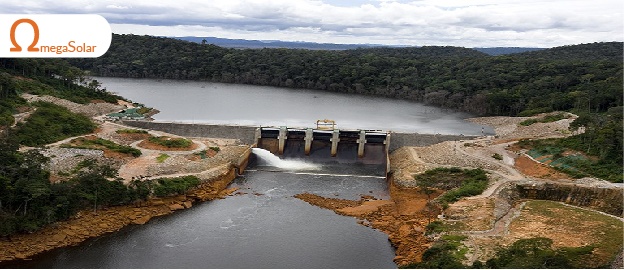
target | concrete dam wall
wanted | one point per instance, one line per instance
(247, 134)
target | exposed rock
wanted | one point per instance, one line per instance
(157, 202)
(175, 207)
(608, 200)
(60, 236)
(141, 220)
(20, 256)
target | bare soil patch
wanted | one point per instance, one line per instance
(534, 169)
(128, 138)
(471, 214)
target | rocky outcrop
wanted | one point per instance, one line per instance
(607, 200)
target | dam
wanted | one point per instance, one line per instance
(361, 147)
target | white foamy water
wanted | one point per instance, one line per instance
(267, 158)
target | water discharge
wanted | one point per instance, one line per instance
(266, 158)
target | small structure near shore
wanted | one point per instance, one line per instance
(127, 114)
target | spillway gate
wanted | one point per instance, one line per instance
(368, 147)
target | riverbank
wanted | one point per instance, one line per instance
(88, 224)
(403, 218)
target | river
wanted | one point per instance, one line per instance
(264, 228)
(219, 103)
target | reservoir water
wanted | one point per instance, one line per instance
(235, 104)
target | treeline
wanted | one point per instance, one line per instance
(53, 77)
(584, 77)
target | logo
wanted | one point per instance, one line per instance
(53, 35)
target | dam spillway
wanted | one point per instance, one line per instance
(365, 147)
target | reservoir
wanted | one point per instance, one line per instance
(264, 226)
(235, 104)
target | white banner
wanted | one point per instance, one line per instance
(53, 35)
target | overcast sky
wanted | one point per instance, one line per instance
(466, 23)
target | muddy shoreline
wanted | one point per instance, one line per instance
(87, 224)
(403, 218)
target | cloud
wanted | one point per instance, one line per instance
(469, 23)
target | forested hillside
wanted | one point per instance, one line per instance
(28, 200)
(585, 78)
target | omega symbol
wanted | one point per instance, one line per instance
(17, 47)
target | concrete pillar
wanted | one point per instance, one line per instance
(257, 136)
(309, 134)
(282, 139)
(361, 142)
(335, 139)
(387, 149)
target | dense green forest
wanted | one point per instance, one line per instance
(584, 77)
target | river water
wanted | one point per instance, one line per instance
(266, 227)
(218, 103)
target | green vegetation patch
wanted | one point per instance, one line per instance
(8, 107)
(447, 252)
(175, 186)
(435, 227)
(171, 142)
(130, 131)
(497, 156)
(51, 123)
(602, 160)
(538, 252)
(143, 110)
(161, 158)
(100, 143)
(459, 182)
(203, 154)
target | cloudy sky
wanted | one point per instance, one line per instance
(466, 23)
